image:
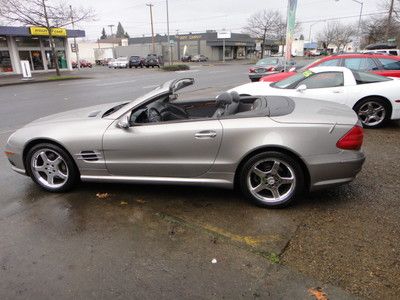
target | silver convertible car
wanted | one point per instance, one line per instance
(272, 148)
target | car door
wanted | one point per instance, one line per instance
(327, 86)
(166, 149)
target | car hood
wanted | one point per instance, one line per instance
(94, 112)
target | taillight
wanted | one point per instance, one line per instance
(352, 140)
(252, 70)
(271, 69)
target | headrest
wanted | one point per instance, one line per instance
(223, 99)
(235, 96)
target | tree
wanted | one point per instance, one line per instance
(121, 33)
(43, 13)
(266, 24)
(375, 29)
(103, 34)
(337, 34)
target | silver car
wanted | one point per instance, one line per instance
(272, 148)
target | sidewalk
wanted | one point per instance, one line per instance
(6, 80)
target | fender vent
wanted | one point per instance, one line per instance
(88, 155)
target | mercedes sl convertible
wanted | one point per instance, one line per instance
(272, 148)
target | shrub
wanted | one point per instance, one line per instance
(179, 67)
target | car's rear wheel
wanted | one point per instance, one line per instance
(373, 113)
(51, 167)
(271, 179)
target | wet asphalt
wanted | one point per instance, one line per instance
(146, 241)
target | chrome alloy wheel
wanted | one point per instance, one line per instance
(271, 180)
(372, 113)
(49, 168)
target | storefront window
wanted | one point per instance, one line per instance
(58, 42)
(34, 57)
(62, 62)
(27, 41)
(5, 62)
(3, 41)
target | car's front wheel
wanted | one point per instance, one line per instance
(51, 167)
(373, 113)
(271, 179)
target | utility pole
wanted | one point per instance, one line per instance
(111, 27)
(152, 28)
(389, 20)
(169, 42)
(75, 45)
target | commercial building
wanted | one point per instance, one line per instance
(238, 46)
(32, 44)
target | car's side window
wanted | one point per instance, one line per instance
(330, 63)
(323, 80)
(389, 64)
(354, 63)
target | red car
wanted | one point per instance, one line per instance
(82, 63)
(385, 65)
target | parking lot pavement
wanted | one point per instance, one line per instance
(159, 241)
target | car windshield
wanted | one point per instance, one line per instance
(267, 61)
(306, 67)
(292, 80)
(363, 77)
(114, 109)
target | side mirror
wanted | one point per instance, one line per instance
(301, 88)
(124, 122)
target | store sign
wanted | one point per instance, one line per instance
(188, 37)
(42, 31)
(223, 35)
(74, 47)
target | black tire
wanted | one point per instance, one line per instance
(73, 173)
(147, 66)
(293, 189)
(254, 79)
(135, 67)
(359, 108)
(130, 67)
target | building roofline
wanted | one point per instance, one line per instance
(24, 31)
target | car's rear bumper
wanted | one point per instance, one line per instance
(334, 169)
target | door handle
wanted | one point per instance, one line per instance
(205, 134)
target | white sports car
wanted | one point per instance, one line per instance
(375, 99)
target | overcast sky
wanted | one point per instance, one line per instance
(199, 15)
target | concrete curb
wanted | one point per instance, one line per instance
(40, 81)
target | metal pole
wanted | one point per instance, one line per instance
(169, 42)
(75, 45)
(152, 28)
(111, 27)
(223, 50)
(359, 28)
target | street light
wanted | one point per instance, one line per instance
(309, 34)
(359, 20)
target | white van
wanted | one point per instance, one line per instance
(383, 51)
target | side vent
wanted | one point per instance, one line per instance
(88, 155)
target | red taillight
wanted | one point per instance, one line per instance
(252, 70)
(352, 140)
(271, 69)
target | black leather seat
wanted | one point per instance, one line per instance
(233, 107)
(223, 101)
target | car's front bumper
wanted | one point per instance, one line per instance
(334, 169)
(257, 76)
(15, 157)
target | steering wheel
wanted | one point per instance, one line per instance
(153, 115)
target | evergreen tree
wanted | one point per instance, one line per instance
(127, 35)
(120, 31)
(103, 34)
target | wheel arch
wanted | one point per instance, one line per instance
(376, 97)
(37, 141)
(277, 148)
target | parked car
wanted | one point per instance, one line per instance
(385, 65)
(272, 148)
(153, 60)
(136, 61)
(82, 64)
(199, 58)
(121, 62)
(110, 63)
(395, 52)
(267, 66)
(374, 98)
(186, 58)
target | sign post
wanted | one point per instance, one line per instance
(26, 70)
(290, 27)
(223, 35)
